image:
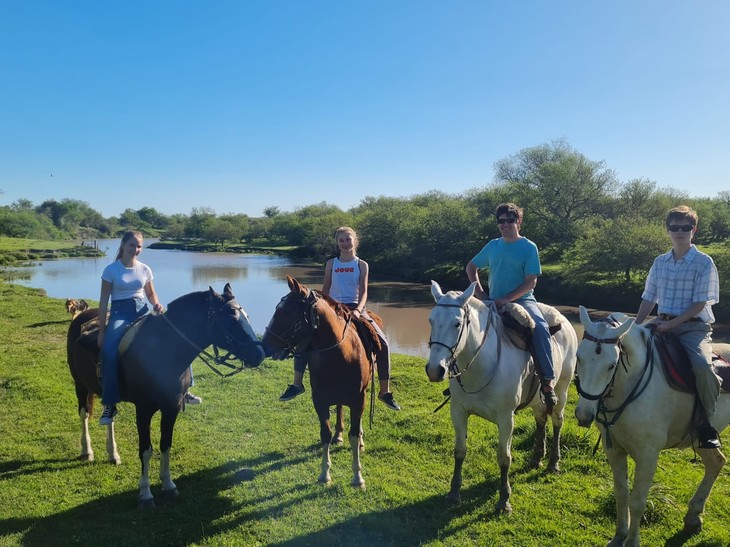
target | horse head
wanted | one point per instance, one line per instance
(598, 361)
(294, 321)
(232, 329)
(449, 321)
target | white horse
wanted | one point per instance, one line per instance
(492, 378)
(639, 414)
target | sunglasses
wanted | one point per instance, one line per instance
(510, 220)
(680, 228)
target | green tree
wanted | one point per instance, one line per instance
(559, 188)
(615, 250)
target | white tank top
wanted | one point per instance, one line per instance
(345, 286)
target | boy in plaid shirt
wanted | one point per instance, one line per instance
(684, 283)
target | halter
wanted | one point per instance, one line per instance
(303, 327)
(203, 354)
(453, 366)
(603, 411)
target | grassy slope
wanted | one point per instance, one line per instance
(47, 497)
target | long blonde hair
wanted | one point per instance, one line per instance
(346, 230)
(129, 234)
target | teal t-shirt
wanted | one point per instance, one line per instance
(508, 263)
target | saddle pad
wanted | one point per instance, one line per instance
(677, 368)
(130, 334)
(519, 325)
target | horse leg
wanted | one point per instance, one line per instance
(538, 450)
(339, 426)
(460, 420)
(325, 436)
(111, 446)
(556, 418)
(619, 469)
(145, 499)
(504, 459)
(85, 400)
(167, 424)
(355, 442)
(646, 464)
(713, 461)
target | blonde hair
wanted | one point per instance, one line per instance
(346, 230)
(129, 234)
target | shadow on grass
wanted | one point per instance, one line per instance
(48, 323)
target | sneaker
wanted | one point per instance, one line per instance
(107, 416)
(291, 392)
(548, 395)
(191, 399)
(389, 401)
(708, 436)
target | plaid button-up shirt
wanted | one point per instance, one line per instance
(677, 284)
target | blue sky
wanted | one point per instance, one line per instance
(240, 105)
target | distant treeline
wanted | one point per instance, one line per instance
(596, 234)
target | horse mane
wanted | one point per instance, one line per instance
(186, 299)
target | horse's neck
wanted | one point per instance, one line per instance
(192, 327)
(335, 326)
(635, 354)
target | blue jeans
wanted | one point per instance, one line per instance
(540, 340)
(123, 313)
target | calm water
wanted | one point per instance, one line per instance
(258, 281)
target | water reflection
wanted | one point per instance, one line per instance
(258, 281)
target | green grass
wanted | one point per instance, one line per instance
(47, 497)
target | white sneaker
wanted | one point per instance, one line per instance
(191, 399)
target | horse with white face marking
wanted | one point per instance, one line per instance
(638, 414)
(491, 377)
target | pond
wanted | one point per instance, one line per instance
(259, 282)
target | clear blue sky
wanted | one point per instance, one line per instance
(240, 105)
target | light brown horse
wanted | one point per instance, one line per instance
(339, 364)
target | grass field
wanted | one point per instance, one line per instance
(47, 497)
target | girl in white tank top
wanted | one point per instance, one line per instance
(346, 280)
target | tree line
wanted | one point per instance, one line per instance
(593, 231)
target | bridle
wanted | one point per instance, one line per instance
(217, 359)
(453, 366)
(303, 327)
(603, 411)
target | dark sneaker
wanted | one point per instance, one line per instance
(107, 416)
(387, 398)
(548, 395)
(708, 437)
(191, 399)
(291, 392)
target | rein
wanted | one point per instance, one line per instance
(638, 389)
(203, 353)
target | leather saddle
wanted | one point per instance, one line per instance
(677, 368)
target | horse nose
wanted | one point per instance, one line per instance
(585, 418)
(435, 373)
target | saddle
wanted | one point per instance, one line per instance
(677, 368)
(520, 325)
(88, 339)
(367, 333)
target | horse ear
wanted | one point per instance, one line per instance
(624, 327)
(291, 282)
(584, 318)
(228, 292)
(468, 293)
(436, 290)
(212, 293)
(295, 286)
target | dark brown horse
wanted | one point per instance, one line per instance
(154, 370)
(339, 367)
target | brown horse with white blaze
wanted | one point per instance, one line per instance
(339, 367)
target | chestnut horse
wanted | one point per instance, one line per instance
(339, 368)
(154, 370)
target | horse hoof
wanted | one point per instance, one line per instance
(453, 498)
(324, 480)
(170, 495)
(337, 440)
(86, 458)
(534, 464)
(358, 484)
(553, 468)
(693, 529)
(146, 504)
(503, 508)
(115, 461)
